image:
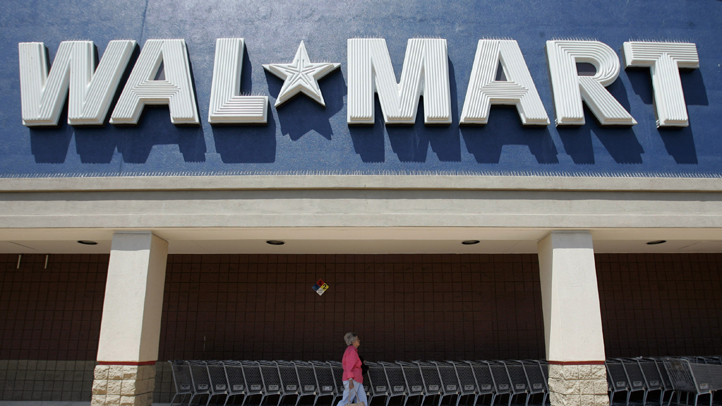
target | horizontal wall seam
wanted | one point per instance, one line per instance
(362, 182)
(132, 363)
(576, 362)
(157, 220)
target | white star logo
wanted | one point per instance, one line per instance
(300, 76)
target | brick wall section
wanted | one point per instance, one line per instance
(53, 313)
(49, 325)
(46, 380)
(403, 306)
(661, 304)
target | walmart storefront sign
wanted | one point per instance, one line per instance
(162, 76)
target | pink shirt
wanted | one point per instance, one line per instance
(351, 365)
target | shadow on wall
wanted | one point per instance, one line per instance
(504, 128)
(246, 143)
(678, 141)
(620, 142)
(368, 141)
(257, 143)
(49, 145)
(411, 143)
(97, 145)
(301, 115)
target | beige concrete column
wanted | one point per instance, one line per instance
(130, 328)
(572, 320)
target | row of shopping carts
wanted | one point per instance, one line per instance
(663, 380)
(255, 382)
(639, 381)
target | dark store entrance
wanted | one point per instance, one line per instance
(404, 306)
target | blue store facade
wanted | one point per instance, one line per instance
(516, 155)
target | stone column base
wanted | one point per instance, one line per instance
(123, 385)
(578, 385)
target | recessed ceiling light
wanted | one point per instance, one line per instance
(275, 242)
(656, 242)
(470, 242)
(87, 242)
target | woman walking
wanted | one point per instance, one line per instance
(353, 389)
